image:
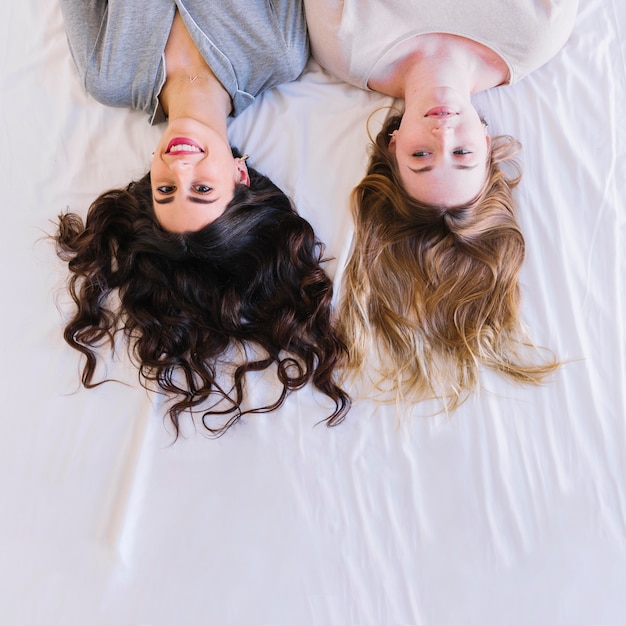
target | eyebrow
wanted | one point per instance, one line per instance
(428, 168)
(190, 198)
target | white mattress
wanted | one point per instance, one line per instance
(513, 511)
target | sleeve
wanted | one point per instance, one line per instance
(292, 23)
(83, 23)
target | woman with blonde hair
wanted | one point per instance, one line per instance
(431, 287)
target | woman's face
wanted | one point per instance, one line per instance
(193, 176)
(442, 150)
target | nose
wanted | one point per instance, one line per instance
(181, 170)
(180, 166)
(181, 163)
(443, 127)
(443, 135)
(443, 123)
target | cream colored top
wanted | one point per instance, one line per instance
(355, 39)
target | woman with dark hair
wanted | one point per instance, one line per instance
(203, 263)
(432, 281)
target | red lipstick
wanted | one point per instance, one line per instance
(182, 141)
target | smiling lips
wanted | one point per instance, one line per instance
(441, 112)
(183, 145)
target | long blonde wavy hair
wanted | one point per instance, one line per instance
(432, 292)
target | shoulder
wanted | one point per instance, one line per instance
(117, 47)
(547, 29)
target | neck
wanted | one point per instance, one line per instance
(199, 96)
(430, 82)
(191, 90)
(436, 60)
(448, 62)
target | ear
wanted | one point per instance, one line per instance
(392, 142)
(241, 172)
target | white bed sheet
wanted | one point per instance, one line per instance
(511, 512)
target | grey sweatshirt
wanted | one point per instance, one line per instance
(118, 46)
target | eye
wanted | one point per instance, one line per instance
(462, 151)
(165, 189)
(202, 188)
(420, 153)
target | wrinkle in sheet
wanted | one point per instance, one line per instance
(128, 479)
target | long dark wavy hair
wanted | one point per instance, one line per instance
(251, 282)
